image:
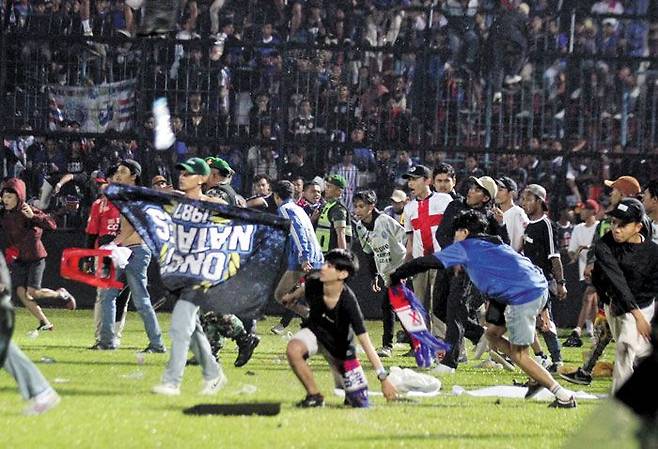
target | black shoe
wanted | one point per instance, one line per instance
(571, 403)
(554, 368)
(402, 337)
(533, 389)
(311, 400)
(574, 341)
(192, 362)
(579, 377)
(246, 346)
(154, 350)
(102, 347)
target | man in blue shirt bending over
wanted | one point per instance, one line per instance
(512, 281)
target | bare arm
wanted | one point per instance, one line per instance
(341, 240)
(387, 387)
(410, 247)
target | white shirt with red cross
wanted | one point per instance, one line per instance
(422, 217)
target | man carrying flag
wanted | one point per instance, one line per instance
(501, 273)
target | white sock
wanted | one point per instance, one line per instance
(577, 330)
(85, 26)
(589, 327)
(561, 393)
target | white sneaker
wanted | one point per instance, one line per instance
(442, 369)
(212, 387)
(42, 402)
(167, 389)
(498, 97)
(164, 137)
(481, 347)
(278, 329)
(543, 361)
(500, 359)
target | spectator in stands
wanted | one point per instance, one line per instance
(350, 173)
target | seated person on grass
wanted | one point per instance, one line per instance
(513, 283)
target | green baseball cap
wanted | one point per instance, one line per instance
(337, 180)
(195, 166)
(219, 164)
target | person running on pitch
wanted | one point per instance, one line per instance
(501, 273)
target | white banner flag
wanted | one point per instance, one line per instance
(106, 107)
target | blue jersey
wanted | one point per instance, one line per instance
(496, 270)
(304, 244)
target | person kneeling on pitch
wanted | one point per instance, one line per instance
(333, 320)
(513, 283)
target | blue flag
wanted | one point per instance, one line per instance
(225, 259)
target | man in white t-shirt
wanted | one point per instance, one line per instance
(579, 245)
(422, 217)
(514, 217)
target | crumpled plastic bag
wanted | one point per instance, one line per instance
(409, 381)
(120, 254)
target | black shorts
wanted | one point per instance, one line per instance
(27, 274)
(495, 313)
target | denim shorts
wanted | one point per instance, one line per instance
(27, 274)
(521, 320)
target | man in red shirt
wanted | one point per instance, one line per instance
(102, 227)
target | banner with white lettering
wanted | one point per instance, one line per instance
(223, 258)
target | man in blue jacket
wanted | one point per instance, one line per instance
(305, 253)
(510, 280)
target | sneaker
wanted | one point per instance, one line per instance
(42, 402)
(166, 389)
(402, 337)
(579, 377)
(555, 367)
(534, 388)
(102, 347)
(45, 326)
(67, 298)
(442, 369)
(192, 361)
(571, 403)
(497, 97)
(498, 358)
(481, 347)
(311, 400)
(153, 350)
(246, 346)
(212, 387)
(573, 341)
(543, 361)
(279, 329)
(385, 351)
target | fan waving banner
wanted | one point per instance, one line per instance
(222, 258)
(411, 314)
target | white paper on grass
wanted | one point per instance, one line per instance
(510, 391)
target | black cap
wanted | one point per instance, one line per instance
(419, 171)
(133, 165)
(629, 210)
(284, 189)
(507, 183)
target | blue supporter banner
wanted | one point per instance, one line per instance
(225, 259)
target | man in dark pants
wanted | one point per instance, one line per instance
(462, 298)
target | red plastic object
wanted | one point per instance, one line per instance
(70, 268)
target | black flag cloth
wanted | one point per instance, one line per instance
(223, 258)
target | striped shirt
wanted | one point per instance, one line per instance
(351, 175)
(540, 244)
(305, 246)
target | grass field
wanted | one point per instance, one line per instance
(106, 402)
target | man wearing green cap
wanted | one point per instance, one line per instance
(218, 327)
(334, 229)
(219, 181)
(186, 332)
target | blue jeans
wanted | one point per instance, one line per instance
(137, 280)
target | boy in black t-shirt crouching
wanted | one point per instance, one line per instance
(334, 319)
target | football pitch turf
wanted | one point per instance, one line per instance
(106, 401)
